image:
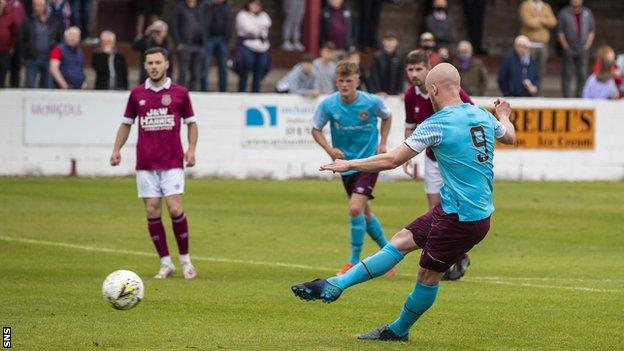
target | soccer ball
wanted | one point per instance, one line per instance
(123, 289)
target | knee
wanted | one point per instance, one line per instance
(355, 211)
(428, 276)
(175, 211)
(404, 241)
(152, 211)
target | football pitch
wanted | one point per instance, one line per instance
(549, 275)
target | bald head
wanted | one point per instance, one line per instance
(443, 75)
(443, 84)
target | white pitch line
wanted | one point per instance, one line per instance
(484, 280)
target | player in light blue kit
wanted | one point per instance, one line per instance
(352, 115)
(462, 138)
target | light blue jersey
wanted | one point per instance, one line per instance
(462, 139)
(353, 126)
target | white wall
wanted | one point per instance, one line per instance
(41, 131)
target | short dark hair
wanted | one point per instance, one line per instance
(417, 56)
(248, 2)
(389, 34)
(307, 57)
(157, 50)
(329, 45)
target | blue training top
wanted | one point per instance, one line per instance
(353, 126)
(462, 139)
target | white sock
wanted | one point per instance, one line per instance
(166, 260)
(185, 259)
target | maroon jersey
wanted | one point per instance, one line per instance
(418, 108)
(160, 111)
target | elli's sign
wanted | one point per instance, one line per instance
(553, 128)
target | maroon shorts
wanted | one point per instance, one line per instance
(443, 237)
(360, 183)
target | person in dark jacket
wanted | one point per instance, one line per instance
(156, 35)
(39, 34)
(215, 25)
(338, 25)
(386, 75)
(186, 31)
(109, 65)
(518, 75)
(67, 62)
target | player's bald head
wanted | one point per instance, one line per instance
(444, 75)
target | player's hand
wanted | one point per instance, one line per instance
(407, 166)
(190, 158)
(335, 154)
(502, 108)
(338, 165)
(382, 149)
(115, 158)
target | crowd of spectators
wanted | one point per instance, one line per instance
(44, 36)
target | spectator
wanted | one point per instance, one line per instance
(427, 43)
(156, 35)
(8, 34)
(354, 56)
(187, 34)
(148, 8)
(338, 25)
(369, 21)
(576, 33)
(386, 75)
(39, 34)
(601, 85)
(325, 69)
(537, 19)
(291, 27)
(606, 54)
(252, 28)
(60, 11)
(67, 62)
(16, 8)
(81, 10)
(473, 73)
(517, 75)
(216, 34)
(474, 12)
(109, 65)
(300, 79)
(441, 25)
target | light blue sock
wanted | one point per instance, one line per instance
(373, 228)
(358, 231)
(417, 302)
(369, 268)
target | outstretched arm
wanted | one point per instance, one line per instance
(376, 163)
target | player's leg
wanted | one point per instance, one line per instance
(374, 228)
(433, 182)
(447, 239)
(173, 187)
(357, 224)
(148, 186)
(411, 238)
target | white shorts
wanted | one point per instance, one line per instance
(433, 180)
(160, 183)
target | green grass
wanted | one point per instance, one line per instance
(549, 275)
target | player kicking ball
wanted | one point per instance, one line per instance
(160, 107)
(418, 108)
(462, 137)
(352, 115)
